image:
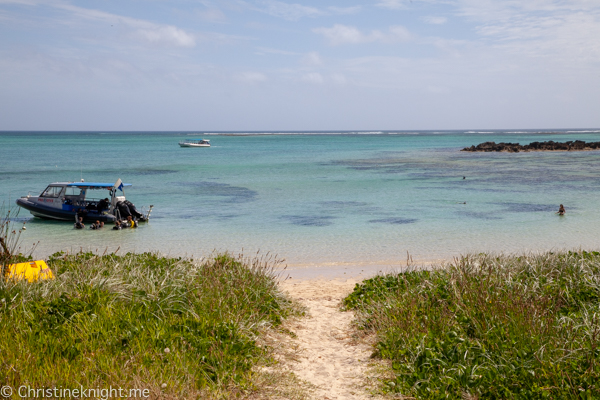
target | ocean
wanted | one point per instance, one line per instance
(320, 199)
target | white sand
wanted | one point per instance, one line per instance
(328, 357)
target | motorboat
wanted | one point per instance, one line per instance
(195, 143)
(66, 201)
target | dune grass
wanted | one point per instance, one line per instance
(9, 239)
(489, 327)
(180, 329)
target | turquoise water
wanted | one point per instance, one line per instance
(317, 199)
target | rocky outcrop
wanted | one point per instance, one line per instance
(535, 146)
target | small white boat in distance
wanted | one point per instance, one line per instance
(195, 143)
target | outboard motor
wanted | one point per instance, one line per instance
(123, 209)
(133, 211)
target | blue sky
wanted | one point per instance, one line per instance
(310, 65)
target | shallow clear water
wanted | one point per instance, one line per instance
(317, 198)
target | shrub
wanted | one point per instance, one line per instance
(170, 325)
(489, 327)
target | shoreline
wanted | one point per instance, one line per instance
(352, 270)
(310, 270)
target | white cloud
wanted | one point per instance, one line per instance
(562, 30)
(339, 79)
(221, 38)
(452, 47)
(21, 2)
(398, 34)
(345, 10)
(340, 34)
(166, 35)
(343, 34)
(289, 11)
(211, 14)
(435, 20)
(267, 50)
(251, 77)
(295, 11)
(392, 4)
(489, 10)
(313, 77)
(312, 58)
(146, 31)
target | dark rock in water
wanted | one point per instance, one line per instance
(535, 146)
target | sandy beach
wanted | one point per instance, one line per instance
(328, 356)
(330, 359)
(353, 271)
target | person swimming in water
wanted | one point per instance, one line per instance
(561, 210)
(131, 223)
(79, 224)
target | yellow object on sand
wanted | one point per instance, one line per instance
(32, 271)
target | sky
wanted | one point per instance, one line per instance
(269, 65)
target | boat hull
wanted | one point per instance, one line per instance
(42, 211)
(193, 145)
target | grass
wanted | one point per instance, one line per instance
(9, 240)
(489, 327)
(178, 328)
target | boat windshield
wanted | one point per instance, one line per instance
(73, 191)
(52, 191)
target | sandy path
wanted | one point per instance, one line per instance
(328, 357)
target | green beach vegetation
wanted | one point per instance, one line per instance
(178, 328)
(9, 240)
(488, 327)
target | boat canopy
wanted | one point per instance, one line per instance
(95, 185)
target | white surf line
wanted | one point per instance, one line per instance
(328, 357)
